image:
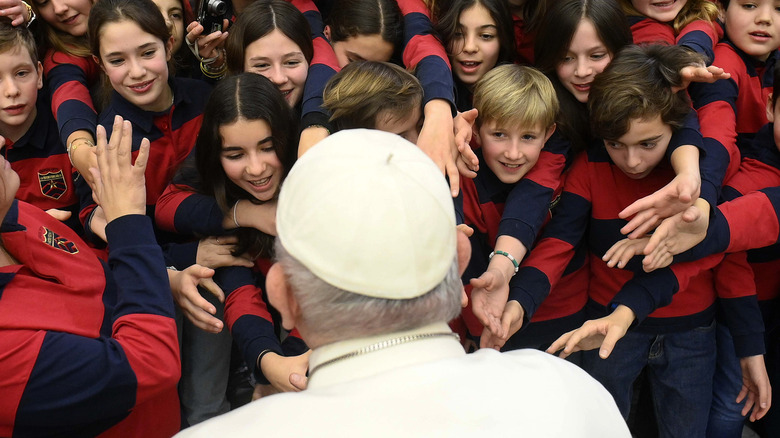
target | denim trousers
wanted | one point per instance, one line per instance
(680, 369)
(726, 418)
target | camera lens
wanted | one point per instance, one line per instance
(217, 7)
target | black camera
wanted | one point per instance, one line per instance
(211, 15)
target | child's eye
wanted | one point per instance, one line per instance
(177, 16)
(268, 148)
(498, 134)
(116, 61)
(233, 156)
(567, 59)
(293, 63)
(612, 144)
(647, 145)
(529, 137)
(748, 6)
(22, 73)
(260, 66)
(599, 55)
(149, 53)
(487, 36)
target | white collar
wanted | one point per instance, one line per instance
(424, 349)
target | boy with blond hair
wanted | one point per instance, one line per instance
(517, 108)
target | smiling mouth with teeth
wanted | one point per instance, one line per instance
(260, 182)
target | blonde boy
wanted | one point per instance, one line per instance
(517, 108)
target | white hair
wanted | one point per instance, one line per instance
(331, 314)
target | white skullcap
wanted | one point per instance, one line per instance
(368, 212)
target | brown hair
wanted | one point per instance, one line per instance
(638, 84)
(12, 37)
(258, 20)
(363, 89)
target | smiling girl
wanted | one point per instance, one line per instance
(245, 149)
(272, 38)
(133, 46)
(478, 36)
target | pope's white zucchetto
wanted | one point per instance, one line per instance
(368, 212)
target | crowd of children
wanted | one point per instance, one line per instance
(614, 162)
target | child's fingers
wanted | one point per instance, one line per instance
(211, 286)
(139, 168)
(100, 149)
(610, 340)
(559, 343)
(125, 147)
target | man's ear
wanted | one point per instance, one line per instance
(281, 297)
(327, 32)
(464, 255)
(463, 251)
(770, 109)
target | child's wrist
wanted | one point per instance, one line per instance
(506, 264)
(74, 145)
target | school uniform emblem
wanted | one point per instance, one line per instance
(49, 237)
(52, 183)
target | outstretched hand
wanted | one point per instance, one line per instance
(184, 287)
(120, 186)
(489, 295)
(671, 199)
(602, 333)
(467, 160)
(700, 73)
(621, 252)
(675, 235)
(511, 322)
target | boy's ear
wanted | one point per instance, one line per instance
(281, 296)
(475, 133)
(770, 109)
(549, 132)
(327, 32)
(39, 68)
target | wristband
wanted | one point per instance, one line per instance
(507, 255)
(72, 147)
(29, 11)
(235, 219)
(260, 357)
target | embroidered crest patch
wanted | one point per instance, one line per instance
(52, 182)
(51, 238)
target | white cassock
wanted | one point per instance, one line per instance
(429, 388)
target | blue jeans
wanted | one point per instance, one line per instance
(205, 368)
(680, 369)
(726, 420)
